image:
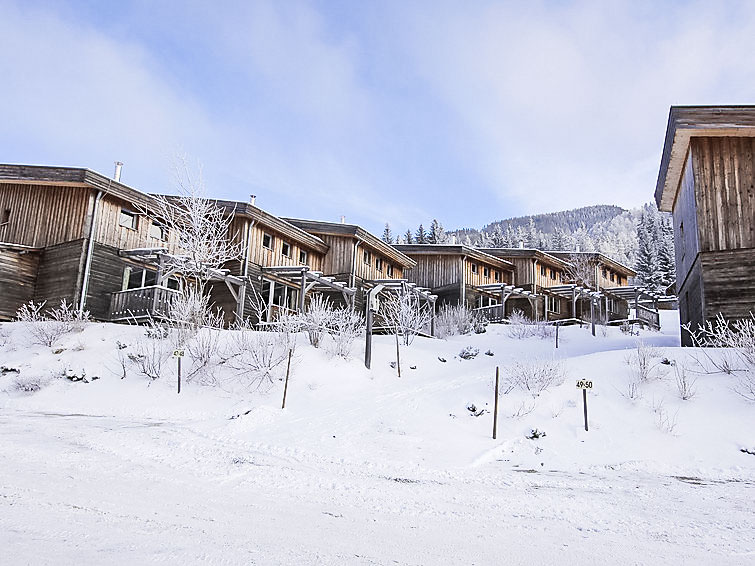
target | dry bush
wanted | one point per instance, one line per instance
(346, 326)
(535, 375)
(685, 384)
(665, 421)
(406, 314)
(522, 327)
(46, 329)
(258, 356)
(644, 362)
(317, 318)
(454, 320)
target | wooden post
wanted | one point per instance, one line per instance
(270, 296)
(592, 314)
(285, 387)
(302, 291)
(398, 355)
(557, 325)
(179, 374)
(368, 339)
(584, 400)
(495, 406)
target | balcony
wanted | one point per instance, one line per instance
(144, 302)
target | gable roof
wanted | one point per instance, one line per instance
(273, 222)
(528, 253)
(454, 249)
(685, 122)
(71, 177)
(600, 259)
(356, 232)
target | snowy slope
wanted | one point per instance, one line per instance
(364, 467)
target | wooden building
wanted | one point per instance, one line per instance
(62, 229)
(356, 257)
(536, 271)
(457, 273)
(707, 180)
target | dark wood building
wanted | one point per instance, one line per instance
(457, 273)
(61, 231)
(536, 271)
(707, 180)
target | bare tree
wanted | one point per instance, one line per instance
(581, 269)
(406, 314)
(202, 228)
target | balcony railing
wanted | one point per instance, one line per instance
(139, 303)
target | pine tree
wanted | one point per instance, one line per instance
(408, 238)
(646, 265)
(387, 235)
(421, 236)
(436, 235)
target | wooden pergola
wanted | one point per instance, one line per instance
(503, 292)
(306, 280)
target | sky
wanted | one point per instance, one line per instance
(399, 112)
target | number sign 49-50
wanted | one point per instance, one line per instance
(584, 384)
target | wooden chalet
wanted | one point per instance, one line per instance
(356, 257)
(458, 274)
(61, 233)
(536, 271)
(706, 181)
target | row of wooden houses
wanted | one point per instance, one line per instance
(74, 234)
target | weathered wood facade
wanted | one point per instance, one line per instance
(707, 180)
(355, 256)
(536, 271)
(455, 273)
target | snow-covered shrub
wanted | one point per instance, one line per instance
(347, 325)
(543, 330)
(256, 355)
(524, 409)
(26, 383)
(665, 421)
(453, 320)
(634, 390)
(191, 311)
(736, 343)
(469, 352)
(644, 362)
(535, 375)
(685, 384)
(203, 349)
(46, 329)
(521, 327)
(149, 354)
(406, 314)
(4, 337)
(317, 319)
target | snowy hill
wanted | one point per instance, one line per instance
(363, 467)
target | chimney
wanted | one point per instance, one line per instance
(343, 219)
(117, 174)
(577, 250)
(521, 244)
(252, 199)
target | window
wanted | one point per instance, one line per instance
(267, 241)
(612, 276)
(158, 230)
(555, 305)
(6, 217)
(136, 278)
(474, 268)
(605, 274)
(366, 256)
(127, 219)
(389, 270)
(543, 271)
(497, 275)
(486, 272)
(302, 257)
(286, 249)
(379, 263)
(553, 274)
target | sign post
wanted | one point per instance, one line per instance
(557, 325)
(285, 387)
(495, 405)
(584, 385)
(178, 354)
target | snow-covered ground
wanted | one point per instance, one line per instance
(363, 467)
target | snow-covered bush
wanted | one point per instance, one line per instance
(535, 375)
(257, 356)
(453, 320)
(521, 327)
(469, 353)
(346, 326)
(149, 354)
(736, 350)
(317, 319)
(46, 329)
(406, 314)
(644, 362)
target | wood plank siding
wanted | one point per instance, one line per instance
(18, 275)
(707, 180)
(59, 273)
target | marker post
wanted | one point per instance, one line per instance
(584, 385)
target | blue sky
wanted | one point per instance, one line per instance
(467, 112)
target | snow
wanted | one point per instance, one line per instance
(363, 467)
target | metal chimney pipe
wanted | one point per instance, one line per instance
(117, 174)
(343, 219)
(252, 199)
